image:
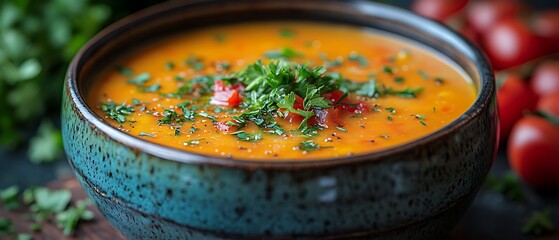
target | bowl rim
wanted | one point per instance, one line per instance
(486, 91)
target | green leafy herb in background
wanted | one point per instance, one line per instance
(509, 185)
(37, 40)
(539, 223)
(43, 205)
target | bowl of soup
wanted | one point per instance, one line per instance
(280, 119)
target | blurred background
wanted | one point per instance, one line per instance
(38, 38)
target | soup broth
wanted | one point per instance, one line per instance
(281, 91)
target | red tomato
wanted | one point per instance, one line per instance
(510, 43)
(545, 80)
(484, 14)
(514, 98)
(547, 23)
(533, 151)
(469, 32)
(226, 95)
(550, 104)
(438, 9)
(331, 116)
(292, 117)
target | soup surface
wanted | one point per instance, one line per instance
(281, 91)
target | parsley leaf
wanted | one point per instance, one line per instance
(310, 145)
(355, 57)
(285, 52)
(46, 146)
(539, 223)
(68, 220)
(243, 136)
(140, 79)
(171, 117)
(9, 199)
(508, 185)
(125, 71)
(195, 63)
(286, 33)
(150, 89)
(117, 112)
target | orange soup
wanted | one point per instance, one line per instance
(281, 91)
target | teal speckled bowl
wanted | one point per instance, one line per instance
(417, 190)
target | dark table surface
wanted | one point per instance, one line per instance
(491, 216)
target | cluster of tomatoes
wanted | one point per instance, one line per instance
(522, 45)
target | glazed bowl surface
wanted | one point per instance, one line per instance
(417, 190)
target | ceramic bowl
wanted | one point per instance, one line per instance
(417, 190)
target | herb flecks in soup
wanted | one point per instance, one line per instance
(281, 90)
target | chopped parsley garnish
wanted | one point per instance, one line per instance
(539, 223)
(206, 115)
(406, 93)
(387, 69)
(127, 72)
(310, 145)
(355, 57)
(218, 110)
(399, 79)
(224, 65)
(136, 102)
(330, 63)
(169, 65)
(423, 74)
(193, 129)
(221, 38)
(285, 53)
(341, 129)
(439, 81)
(195, 63)
(117, 112)
(144, 134)
(140, 79)
(368, 89)
(384, 136)
(286, 33)
(389, 118)
(243, 136)
(391, 110)
(150, 89)
(171, 117)
(193, 142)
(420, 117)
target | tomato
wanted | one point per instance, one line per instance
(545, 80)
(482, 15)
(293, 117)
(514, 98)
(438, 9)
(331, 116)
(510, 43)
(533, 151)
(547, 23)
(549, 104)
(226, 94)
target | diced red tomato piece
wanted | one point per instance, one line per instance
(333, 96)
(226, 95)
(292, 117)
